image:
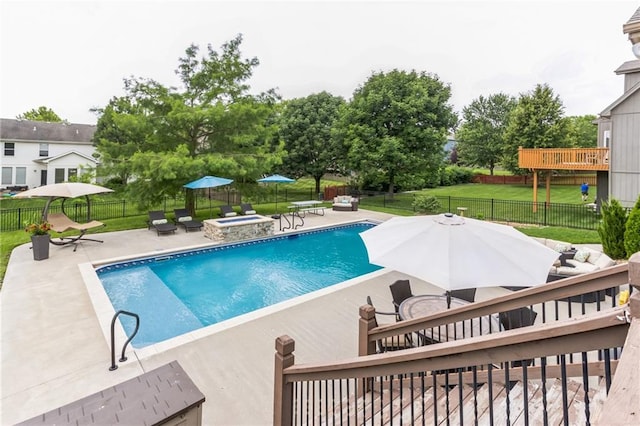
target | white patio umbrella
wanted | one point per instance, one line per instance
(63, 190)
(454, 252)
(208, 182)
(276, 179)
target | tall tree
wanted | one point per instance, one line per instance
(481, 136)
(42, 113)
(582, 132)
(397, 125)
(536, 122)
(167, 136)
(305, 127)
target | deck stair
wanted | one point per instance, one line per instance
(409, 402)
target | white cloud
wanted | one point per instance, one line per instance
(72, 56)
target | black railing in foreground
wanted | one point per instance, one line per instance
(576, 342)
(481, 379)
(123, 358)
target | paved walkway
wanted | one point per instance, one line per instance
(54, 350)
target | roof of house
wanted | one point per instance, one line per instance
(56, 157)
(629, 67)
(607, 111)
(42, 131)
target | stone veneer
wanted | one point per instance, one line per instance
(247, 227)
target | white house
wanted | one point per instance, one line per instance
(36, 153)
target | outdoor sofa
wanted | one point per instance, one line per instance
(576, 261)
(345, 203)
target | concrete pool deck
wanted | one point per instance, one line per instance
(54, 351)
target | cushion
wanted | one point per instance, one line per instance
(594, 255)
(159, 222)
(345, 201)
(250, 212)
(581, 255)
(560, 247)
(185, 219)
(230, 214)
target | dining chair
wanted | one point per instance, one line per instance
(468, 294)
(390, 343)
(518, 318)
(400, 291)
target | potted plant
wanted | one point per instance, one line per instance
(39, 239)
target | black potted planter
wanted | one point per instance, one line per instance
(40, 246)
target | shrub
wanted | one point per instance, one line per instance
(426, 204)
(454, 175)
(632, 230)
(611, 229)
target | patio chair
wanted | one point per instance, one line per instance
(60, 222)
(227, 211)
(246, 208)
(400, 291)
(184, 219)
(468, 294)
(517, 318)
(391, 343)
(158, 221)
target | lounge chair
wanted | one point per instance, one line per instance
(227, 211)
(246, 208)
(158, 221)
(60, 222)
(184, 219)
(400, 291)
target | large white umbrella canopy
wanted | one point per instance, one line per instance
(454, 252)
(63, 190)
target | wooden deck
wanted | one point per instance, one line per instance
(564, 159)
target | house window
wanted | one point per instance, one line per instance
(72, 173)
(21, 175)
(44, 150)
(6, 175)
(607, 138)
(59, 176)
(9, 149)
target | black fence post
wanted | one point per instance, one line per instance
(492, 208)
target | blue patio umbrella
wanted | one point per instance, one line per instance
(276, 179)
(208, 182)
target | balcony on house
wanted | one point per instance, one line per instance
(596, 159)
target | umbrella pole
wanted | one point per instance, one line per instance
(276, 198)
(210, 208)
(448, 299)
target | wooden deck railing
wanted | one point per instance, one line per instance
(562, 336)
(563, 158)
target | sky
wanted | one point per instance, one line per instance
(72, 56)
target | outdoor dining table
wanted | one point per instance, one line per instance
(429, 304)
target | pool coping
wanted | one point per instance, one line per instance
(105, 311)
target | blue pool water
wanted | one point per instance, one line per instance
(188, 290)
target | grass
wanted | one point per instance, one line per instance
(560, 194)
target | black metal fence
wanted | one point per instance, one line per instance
(13, 219)
(526, 212)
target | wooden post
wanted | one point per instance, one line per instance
(283, 391)
(548, 187)
(535, 191)
(366, 322)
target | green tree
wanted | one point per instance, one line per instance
(164, 137)
(611, 229)
(396, 126)
(480, 138)
(581, 132)
(305, 127)
(536, 122)
(632, 230)
(42, 113)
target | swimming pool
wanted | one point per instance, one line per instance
(184, 291)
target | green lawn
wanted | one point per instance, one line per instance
(560, 194)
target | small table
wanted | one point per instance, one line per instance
(428, 304)
(310, 206)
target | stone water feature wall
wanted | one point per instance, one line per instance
(238, 229)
